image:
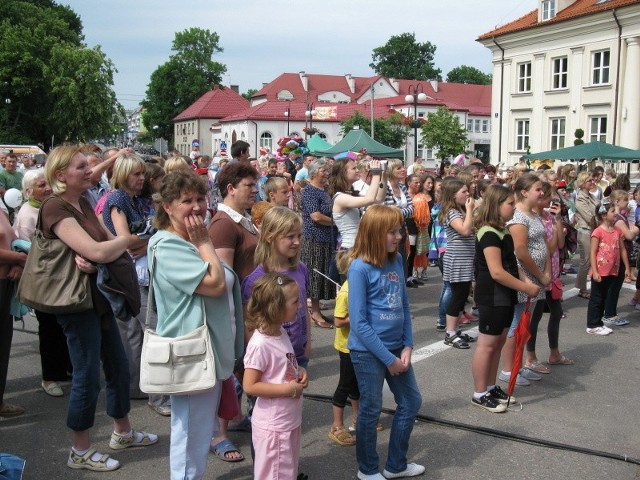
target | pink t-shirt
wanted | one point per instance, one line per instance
(274, 357)
(608, 254)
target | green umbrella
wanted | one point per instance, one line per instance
(588, 151)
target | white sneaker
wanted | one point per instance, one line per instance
(375, 476)
(607, 329)
(412, 470)
(599, 331)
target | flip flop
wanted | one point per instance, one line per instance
(226, 446)
(563, 361)
(537, 367)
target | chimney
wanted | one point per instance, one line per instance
(305, 81)
(235, 88)
(434, 85)
(351, 82)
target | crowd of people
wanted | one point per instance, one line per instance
(258, 248)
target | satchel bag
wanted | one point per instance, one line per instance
(181, 365)
(51, 281)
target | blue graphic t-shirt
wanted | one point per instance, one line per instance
(379, 309)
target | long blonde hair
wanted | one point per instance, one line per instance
(277, 221)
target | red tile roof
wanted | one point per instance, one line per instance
(579, 8)
(217, 103)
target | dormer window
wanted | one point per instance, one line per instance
(548, 9)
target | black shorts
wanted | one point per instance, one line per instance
(494, 320)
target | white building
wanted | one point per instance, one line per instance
(295, 101)
(569, 64)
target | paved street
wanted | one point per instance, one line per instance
(590, 405)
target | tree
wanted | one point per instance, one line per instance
(444, 132)
(250, 93)
(471, 75)
(40, 45)
(388, 131)
(403, 57)
(185, 77)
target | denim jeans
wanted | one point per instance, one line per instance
(445, 298)
(517, 313)
(92, 339)
(371, 374)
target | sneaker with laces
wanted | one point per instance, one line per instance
(530, 374)
(488, 402)
(520, 380)
(501, 396)
(598, 331)
(412, 470)
(615, 321)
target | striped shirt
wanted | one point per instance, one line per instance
(460, 254)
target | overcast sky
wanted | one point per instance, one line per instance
(264, 38)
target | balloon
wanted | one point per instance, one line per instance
(13, 198)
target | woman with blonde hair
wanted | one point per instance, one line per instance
(92, 335)
(124, 215)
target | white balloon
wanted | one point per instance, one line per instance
(13, 198)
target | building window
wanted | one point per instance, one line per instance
(524, 77)
(600, 72)
(428, 154)
(598, 129)
(266, 140)
(548, 9)
(485, 126)
(522, 135)
(476, 126)
(559, 74)
(470, 125)
(557, 133)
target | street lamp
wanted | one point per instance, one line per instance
(416, 94)
(288, 115)
(309, 114)
(155, 133)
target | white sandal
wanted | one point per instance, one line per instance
(84, 462)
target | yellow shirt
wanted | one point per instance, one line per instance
(342, 311)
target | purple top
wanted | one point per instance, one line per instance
(296, 330)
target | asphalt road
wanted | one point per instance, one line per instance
(590, 406)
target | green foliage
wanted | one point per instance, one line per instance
(250, 93)
(469, 75)
(389, 131)
(403, 57)
(579, 133)
(185, 77)
(444, 132)
(57, 86)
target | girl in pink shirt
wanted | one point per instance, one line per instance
(606, 251)
(273, 375)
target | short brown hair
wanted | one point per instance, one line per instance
(233, 173)
(173, 186)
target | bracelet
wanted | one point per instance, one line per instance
(295, 392)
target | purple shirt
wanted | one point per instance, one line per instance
(297, 330)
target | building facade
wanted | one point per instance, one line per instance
(565, 66)
(294, 102)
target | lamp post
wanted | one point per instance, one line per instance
(416, 94)
(309, 114)
(287, 114)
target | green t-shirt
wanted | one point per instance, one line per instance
(11, 179)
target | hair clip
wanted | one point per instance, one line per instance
(280, 282)
(604, 206)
